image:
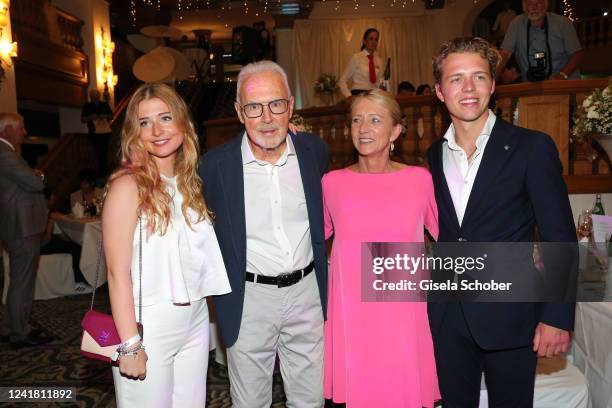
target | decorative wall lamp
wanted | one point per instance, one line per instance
(8, 49)
(105, 70)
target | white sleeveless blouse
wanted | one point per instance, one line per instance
(181, 266)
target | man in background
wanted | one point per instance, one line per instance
(405, 88)
(98, 114)
(23, 218)
(544, 44)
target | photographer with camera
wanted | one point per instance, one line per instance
(545, 45)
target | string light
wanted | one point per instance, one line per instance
(180, 10)
(568, 11)
(158, 5)
(133, 12)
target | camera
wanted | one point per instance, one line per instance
(538, 72)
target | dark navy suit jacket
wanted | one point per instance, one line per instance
(519, 185)
(222, 173)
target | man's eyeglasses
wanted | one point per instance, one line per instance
(255, 110)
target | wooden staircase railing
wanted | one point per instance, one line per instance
(75, 152)
(542, 106)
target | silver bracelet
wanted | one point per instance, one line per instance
(125, 345)
(130, 342)
(132, 352)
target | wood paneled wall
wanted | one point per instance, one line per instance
(51, 66)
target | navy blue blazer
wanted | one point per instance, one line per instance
(519, 186)
(222, 173)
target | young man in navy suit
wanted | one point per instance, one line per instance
(265, 190)
(494, 182)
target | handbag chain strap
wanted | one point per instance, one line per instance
(98, 261)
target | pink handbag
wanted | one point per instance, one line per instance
(100, 337)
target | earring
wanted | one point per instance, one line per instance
(392, 146)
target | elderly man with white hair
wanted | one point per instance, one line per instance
(264, 187)
(23, 218)
(544, 44)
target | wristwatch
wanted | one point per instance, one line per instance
(563, 74)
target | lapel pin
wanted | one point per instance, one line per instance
(506, 147)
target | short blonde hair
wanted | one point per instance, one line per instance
(383, 99)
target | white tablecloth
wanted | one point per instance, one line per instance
(88, 233)
(558, 384)
(54, 277)
(592, 349)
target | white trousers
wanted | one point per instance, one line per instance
(287, 321)
(176, 338)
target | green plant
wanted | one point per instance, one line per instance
(300, 123)
(595, 114)
(326, 83)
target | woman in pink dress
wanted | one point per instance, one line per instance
(377, 354)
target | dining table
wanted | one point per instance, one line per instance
(87, 232)
(592, 349)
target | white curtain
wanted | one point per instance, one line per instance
(325, 47)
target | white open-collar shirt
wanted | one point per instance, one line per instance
(277, 227)
(460, 172)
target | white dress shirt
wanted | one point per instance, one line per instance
(9, 144)
(460, 172)
(358, 70)
(277, 227)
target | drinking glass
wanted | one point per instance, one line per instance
(585, 225)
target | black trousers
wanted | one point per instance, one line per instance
(509, 374)
(56, 245)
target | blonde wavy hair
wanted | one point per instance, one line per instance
(383, 99)
(154, 199)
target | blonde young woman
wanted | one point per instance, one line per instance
(157, 195)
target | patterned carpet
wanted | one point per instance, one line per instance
(60, 364)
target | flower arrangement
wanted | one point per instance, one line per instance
(595, 114)
(326, 84)
(300, 123)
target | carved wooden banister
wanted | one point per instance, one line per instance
(70, 30)
(594, 31)
(30, 14)
(595, 35)
(71, 154)
(542, 106)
